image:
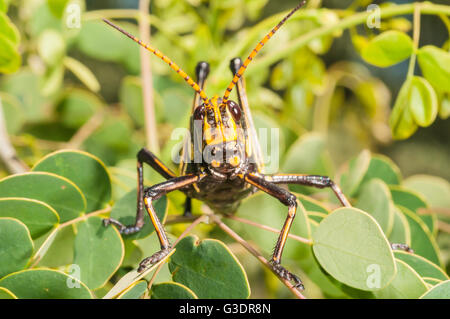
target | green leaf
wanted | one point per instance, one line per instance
(335, 249)
(135, 291)
(401, 233)
(45, 284)
(82, 73)
(8, 29)
(98, 251)
(208, 268)
(388, 48)
(172, 290)
(312, 205)
(60, 248)
(383, 168)
(124, 210)
(57, 7)
(16, 246)
(422, 242)
(422, 266)
(4, 5)
(440, 291)
(435, 65)
(436, 190)
(36, 215)
(407, 284)
(375, 199)
(5, 293)
(85, 170)
(58, 192)
(51, 47)
(272, 212)
(416, 104)
(76, 107)
(414, 202)
(13, 112)
(10, 59)
(130, 95)
(358, 167)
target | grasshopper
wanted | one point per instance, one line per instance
(222, 162)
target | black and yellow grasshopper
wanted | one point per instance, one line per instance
(222, 161)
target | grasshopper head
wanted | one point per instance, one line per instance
(223, 141)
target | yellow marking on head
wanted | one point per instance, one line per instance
(219, 132)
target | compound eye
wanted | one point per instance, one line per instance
(235, 110)
(199, 112)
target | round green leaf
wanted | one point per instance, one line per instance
(83, 169)
(59, 248)
(125, 208)
(436, 190)
(36, 215)
(424, 103)
(16, 246)
(10, 58)
(440, 291)
(83, 73)
(312, 205)
(308, 155)
(98, 251)
(375, 199)
(131, 98)
(45, 284)
(76, 107)
(8, 29)
(435, 65)
(383, 168)
(407, 284)
(272, 213)
(358, 167)
(316, 216)
(58, 192)
(401, 233)
(414, 202)
(135, 291)
(422, 242)
(6, 294)
(13, 112)
(209, 269)
(172, 290)
(334, 245)
(51, 47)
(422, 266)
(388, 48)
(416, 104)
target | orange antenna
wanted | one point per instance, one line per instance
(255, 51)
(172, 64)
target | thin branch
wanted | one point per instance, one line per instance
(147, 82)
(265, 227)
(254, 252)
(7, 152)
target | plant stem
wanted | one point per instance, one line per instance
(151, 132)
(416, 36)
(254, 252)
(249, 222)
(8, 154)
(85, 131)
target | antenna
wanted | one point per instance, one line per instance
(172, 64)
(255, 51)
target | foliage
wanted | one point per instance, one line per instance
(78, 122)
